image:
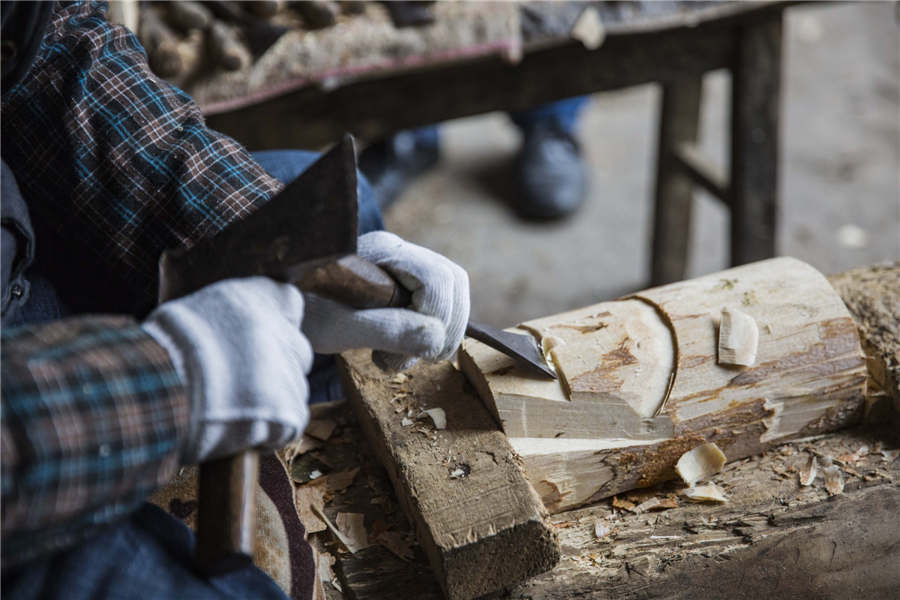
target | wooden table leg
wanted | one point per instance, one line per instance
(755, 104)
(679, 114)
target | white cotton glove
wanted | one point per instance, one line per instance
(238, 346)
(432, 327)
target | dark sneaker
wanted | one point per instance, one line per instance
(551, 176)
(393, 163)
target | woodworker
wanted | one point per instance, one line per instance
(104, 167)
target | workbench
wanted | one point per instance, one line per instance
(672, 44)
(773, 538)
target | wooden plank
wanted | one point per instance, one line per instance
(678, 117)
(481, 524)
(755, 107)
(613, 421)
(368, 108)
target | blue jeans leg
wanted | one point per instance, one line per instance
(148, 556)
(564, 112)
(286, 165)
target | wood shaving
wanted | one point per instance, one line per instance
(809, 471)
(853, 457)
(308, 499)
(337, 482)
(325, 572)
(345, 543)
(834, 480)
(352, 525)
(601, 529)
(623, 504)
(398, 543)
(321, 429)
(437, 415)
(399, 379)
(738, 338)
(657, 504)
(708, 492)
(700, 463)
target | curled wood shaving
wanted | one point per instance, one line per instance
(809, 471)
(708, 492)
(699, 463)
(653, 504)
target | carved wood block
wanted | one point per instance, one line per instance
(640, 380)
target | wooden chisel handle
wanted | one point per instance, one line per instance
(226, 520)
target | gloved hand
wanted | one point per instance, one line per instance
(432, 327)
(238, 346)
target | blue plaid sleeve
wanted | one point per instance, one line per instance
(94, 416)
(115, 164)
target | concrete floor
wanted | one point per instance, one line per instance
(839, 189)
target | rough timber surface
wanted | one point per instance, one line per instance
(872, 294)
(479, 521)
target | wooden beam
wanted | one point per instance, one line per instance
(703, 172)
(368, 107)
(481, 524)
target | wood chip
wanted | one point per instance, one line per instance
(352, 525)
(623, 504)
(601, 529)
(738, 338)
(398, 543)
(345, 543)
(341, 480)
(834, 480)
(708, 492)
(325, 572)
(657, 504)
(588, 29)
(438, 417)
(809, 471)
(307, 500)
(700, 463)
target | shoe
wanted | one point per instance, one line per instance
(392, 164)
(550, 173)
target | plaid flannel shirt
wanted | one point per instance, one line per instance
(116, 165)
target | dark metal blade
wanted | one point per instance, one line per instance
(523, 348)
(313, 216)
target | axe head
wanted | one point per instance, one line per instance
(313, 217)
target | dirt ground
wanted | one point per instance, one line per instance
(839, 188)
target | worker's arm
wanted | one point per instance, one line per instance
(115, 163)
(100, 411)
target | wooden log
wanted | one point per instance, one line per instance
(637, 389)
(872, 294)
(479, 521)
